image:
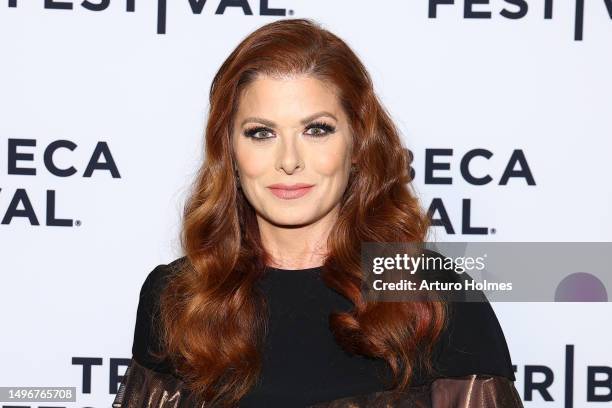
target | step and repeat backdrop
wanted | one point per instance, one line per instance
(506, 107)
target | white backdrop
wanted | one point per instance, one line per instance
(109, 80)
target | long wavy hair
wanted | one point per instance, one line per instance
(212, 316)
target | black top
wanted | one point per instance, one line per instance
(302, 364)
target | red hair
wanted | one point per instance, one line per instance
(213, 318)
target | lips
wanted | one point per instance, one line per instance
(290, 186)
(290, 191)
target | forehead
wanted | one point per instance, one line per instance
(288, 98)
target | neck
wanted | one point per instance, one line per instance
(297, 247)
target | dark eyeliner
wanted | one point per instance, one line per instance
(321, 125)
(252, 131)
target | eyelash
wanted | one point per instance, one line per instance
(327, 128)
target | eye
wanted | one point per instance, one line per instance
(321, 129)
(254, 133)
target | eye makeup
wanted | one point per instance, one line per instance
(252, 131)
(327, 129)
(324, 128)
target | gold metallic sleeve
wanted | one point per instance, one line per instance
(142, 387)
(473, 391)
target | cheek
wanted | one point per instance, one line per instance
(254, 167)
(329, 165)
(332, 160)
(252, 162)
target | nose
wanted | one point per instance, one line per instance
(290, 155)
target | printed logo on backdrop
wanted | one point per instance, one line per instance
(518, 9)
(197, 7)
(437, 160)
(472, 9)
(538, 379)
(23, 160)
(101, 161)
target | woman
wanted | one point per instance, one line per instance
(302, 165)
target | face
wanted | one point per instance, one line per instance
(289, 133)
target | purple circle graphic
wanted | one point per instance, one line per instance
(581, 287)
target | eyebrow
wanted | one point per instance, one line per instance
(303, 121)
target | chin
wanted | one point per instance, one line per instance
(290, 219)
